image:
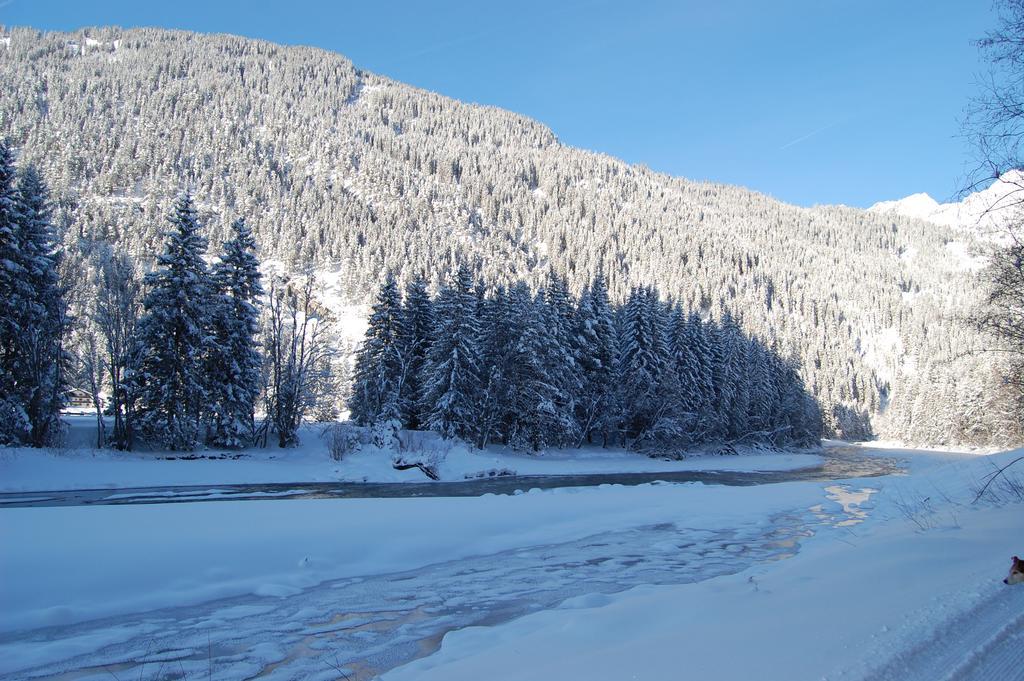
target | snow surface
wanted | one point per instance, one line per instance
(860, 601)
(800, 580)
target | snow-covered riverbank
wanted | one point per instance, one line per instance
(80, 466)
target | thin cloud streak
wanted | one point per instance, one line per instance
(811, 134)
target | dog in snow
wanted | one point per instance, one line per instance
(1016, 575)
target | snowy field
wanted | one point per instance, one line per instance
(895, 577)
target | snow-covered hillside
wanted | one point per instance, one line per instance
(356, 175)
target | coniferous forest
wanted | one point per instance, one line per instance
(544, 369)
(190, 354)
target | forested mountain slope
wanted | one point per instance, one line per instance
(334, 167)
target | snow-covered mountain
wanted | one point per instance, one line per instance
(354, 175)
(986, 212)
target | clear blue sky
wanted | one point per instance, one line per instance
(811, 101)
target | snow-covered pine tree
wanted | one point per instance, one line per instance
(701, 365)
(801, 410)
(635, 367)
(234, 361)
(417, 326)
(534, 419)
(561, 360)
(762, 391)
(499, 337)
(686, 369)
(171, 386)
(722, 379)
(736, 384)
(643, 365)
(14, 426)
(381, 366)
(451, 383)
(41, 315)
(597, 410)
(667, 421)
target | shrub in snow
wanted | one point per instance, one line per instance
(342, 439)
(385, 434)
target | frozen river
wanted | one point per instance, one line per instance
(837, 463)
(361, 627)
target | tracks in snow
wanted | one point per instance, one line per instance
(984, 643)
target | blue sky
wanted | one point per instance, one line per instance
(811, 101)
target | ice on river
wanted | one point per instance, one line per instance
(367, 625)
(445, 587)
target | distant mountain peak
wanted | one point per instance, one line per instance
(985, 211)
(920, 205)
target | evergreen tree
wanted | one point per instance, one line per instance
(700, 371)
(171, 385)
(381, 366)
(535, 419)
(451, 384)
(560, 358)
(234, 362)
(762, 390)
(499, 337)
(644, 367)
(732, 377)
(597, 408)
(722, 380)
(33, 311)
(415, 342)
(39, 313)
(686, 369)
(14, 426)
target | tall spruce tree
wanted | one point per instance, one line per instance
(498, 339)
(597, 410)
(686, 369)
(234, 362)
(642, 364)
(451, 383)
(417, 328)
(700, 373)
(171, 382)
(561, 360)
(731, 378)
(381, 364)
(14, 426)
(722, 382)
(536, 419)
(42, 311)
